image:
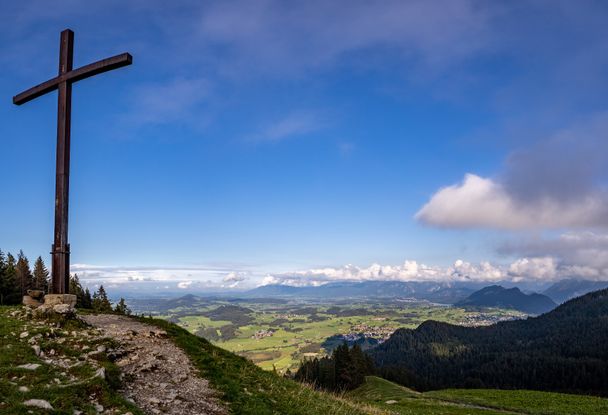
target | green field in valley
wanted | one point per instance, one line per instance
(280, 334)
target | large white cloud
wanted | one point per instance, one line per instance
(543, 268)
(480, 202)
(408, 271)
(582, 254)
(558, 181)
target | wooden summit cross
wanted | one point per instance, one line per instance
(63, 82)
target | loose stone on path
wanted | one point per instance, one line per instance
(38, 403)
(160, 377)
(29, 366)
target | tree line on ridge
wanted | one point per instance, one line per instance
(16, 277)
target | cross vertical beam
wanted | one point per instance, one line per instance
(61, 247)
(63, 84)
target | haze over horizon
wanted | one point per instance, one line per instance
(257, 143)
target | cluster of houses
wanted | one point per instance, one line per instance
(380, 333)
(260, 334)
(482, 319)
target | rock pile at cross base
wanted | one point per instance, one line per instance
(159, 377)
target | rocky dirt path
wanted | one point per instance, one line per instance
(158, 376)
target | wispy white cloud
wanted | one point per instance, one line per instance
(294, 124)
(286, 39)
(177, 100)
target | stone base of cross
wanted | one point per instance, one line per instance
(51, 303)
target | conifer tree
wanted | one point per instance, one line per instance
(87, 301)
(9, 288)
(41, 276)
(75, 288)
(3, 279)
(24, 274)
(344, 370)
(343, 362)
(101, 303)
(122, 308)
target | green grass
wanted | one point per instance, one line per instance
(250, 390)
(529, 402)
(42, 382)
(377, 392)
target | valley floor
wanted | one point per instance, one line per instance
(278, 335)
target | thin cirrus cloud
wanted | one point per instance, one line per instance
(559, 182)
(294, 124)
(178, 100)
(280, 38)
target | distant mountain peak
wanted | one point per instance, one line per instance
(439, 292)
(569, 288)
(513, 298)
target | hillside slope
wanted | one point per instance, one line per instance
(563, 350)
(510, 298)
(399, 400)
(62, 383)
(247, 389)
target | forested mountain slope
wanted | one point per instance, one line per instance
(512, 298)
(563, 350)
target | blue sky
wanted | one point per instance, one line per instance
(280, 141)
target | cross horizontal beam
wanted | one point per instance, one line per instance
(104, 65)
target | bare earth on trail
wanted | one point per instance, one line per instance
(158, 376)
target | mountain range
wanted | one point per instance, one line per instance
(566, 289)
(512, 298)
(439, 292)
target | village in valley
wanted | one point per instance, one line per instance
(278, 334)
